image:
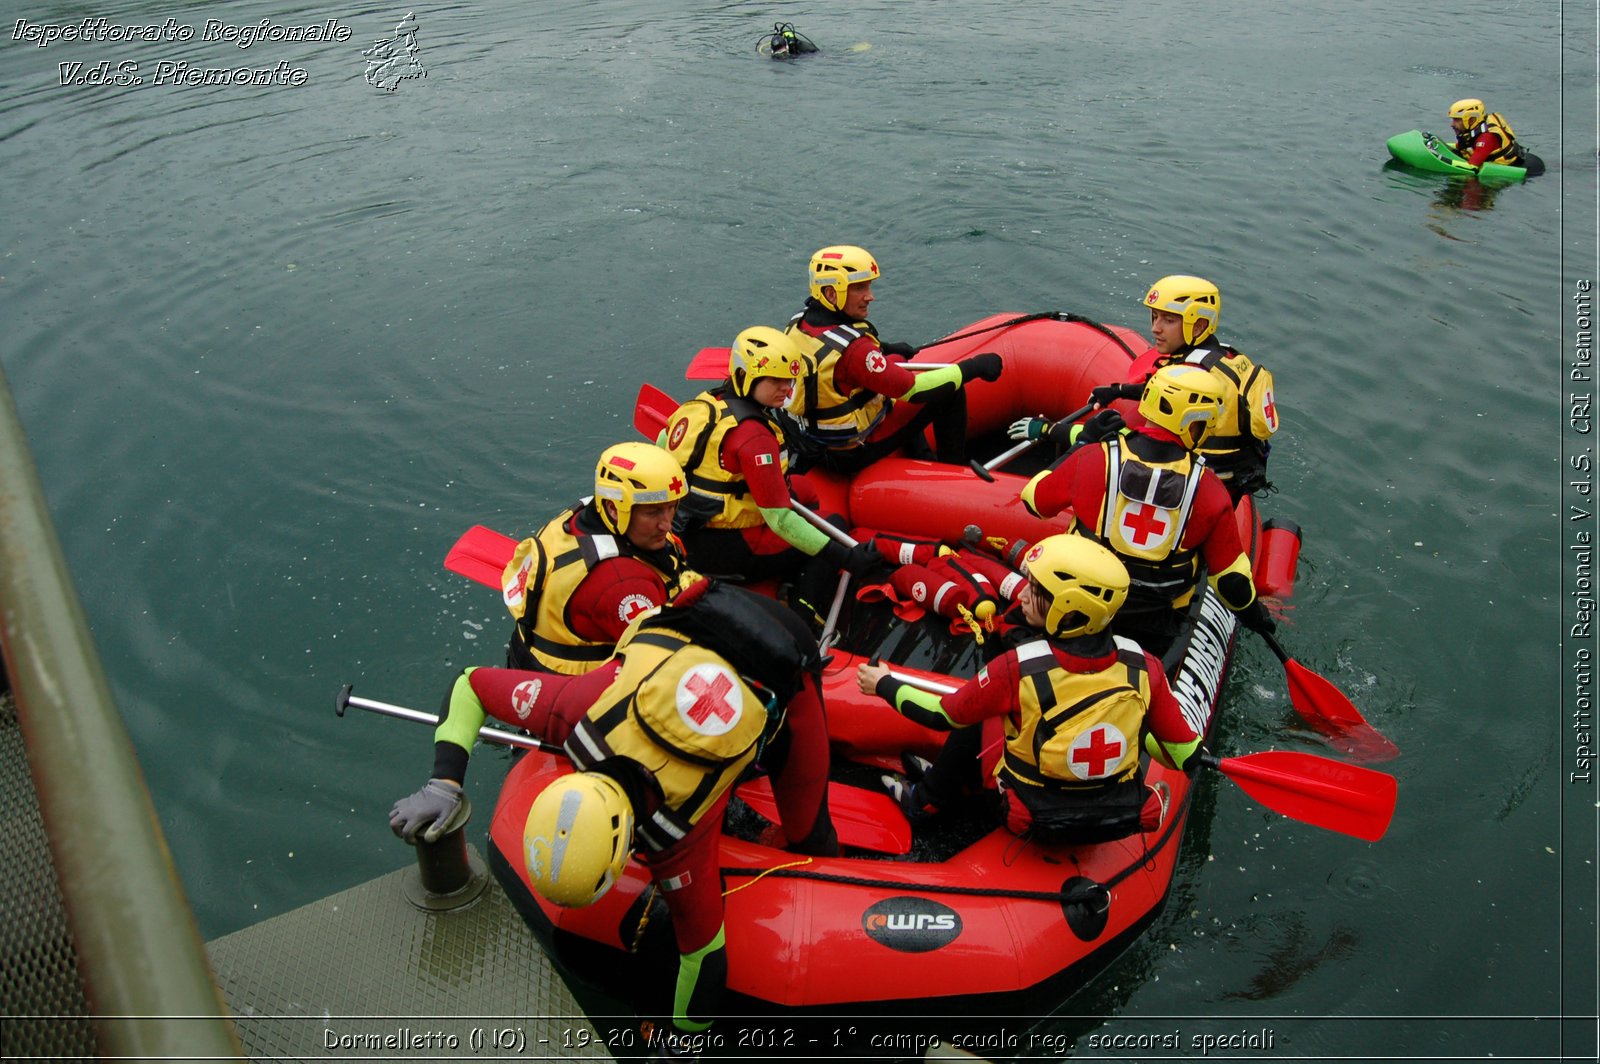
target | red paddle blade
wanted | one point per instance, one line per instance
(1329, 794)
(481, 554)
(710, 364)
(1326, 708)
(867, 820)
(652, 410)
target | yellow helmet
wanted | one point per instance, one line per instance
(1184, 400)
(1195, 298)
(840, 266)
(636, 474)
(762, 351)
(1470, 111)
(578, 838)
(1085, 583)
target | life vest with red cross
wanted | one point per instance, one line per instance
(1236, 447)
(680, 712)
(827, 415)
(695, 434)
(545, 571)
(1075, 730)
(1142, 519)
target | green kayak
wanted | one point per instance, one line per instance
(1427, 152)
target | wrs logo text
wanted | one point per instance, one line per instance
(911, 925)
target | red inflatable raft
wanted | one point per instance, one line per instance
(997, 919)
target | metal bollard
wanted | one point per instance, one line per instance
(449, 874)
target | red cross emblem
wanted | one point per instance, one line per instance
(1099, 750)
(633, 605)
(1143, 524)
(514, 587)
(674, 485)
(523, 696)
(709, 699)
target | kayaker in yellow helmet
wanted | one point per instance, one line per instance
(1482, 136)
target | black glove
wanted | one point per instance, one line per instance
(1103, 426)
(986, 366)
(903, 350)
(1258, 618)
(860, 560)
(863, 561)
(1107, 394)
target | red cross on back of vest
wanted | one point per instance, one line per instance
(1096, 752)
(709, 699)
(1144, 525)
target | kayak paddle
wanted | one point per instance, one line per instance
(709, 364)
(652, 410)
(1315, 790)
(1326, 708)
(345, 699)
(481, 554)
(866, 820)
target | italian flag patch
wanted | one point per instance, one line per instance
(763, 459)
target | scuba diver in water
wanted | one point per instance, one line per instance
(785, 42)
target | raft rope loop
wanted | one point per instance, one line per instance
(644, 919)
(770, 871)
(1044, 315)
(971, 622)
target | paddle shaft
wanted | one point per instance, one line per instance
(825, 639)
(1277, 648)
(860, 823)
(825, 527)
(417, 716)
(924, 684)
(1026, 445)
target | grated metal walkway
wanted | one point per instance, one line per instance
(39, 979)
(365, 975)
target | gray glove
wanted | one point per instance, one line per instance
(1028, 428)
(430, 808)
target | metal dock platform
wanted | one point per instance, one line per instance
(366, 974)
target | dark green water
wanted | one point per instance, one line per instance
(276, 347)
